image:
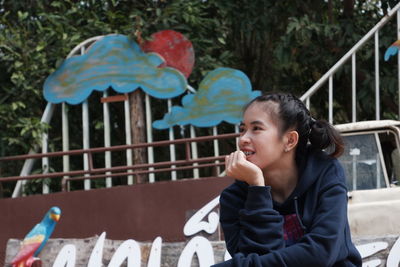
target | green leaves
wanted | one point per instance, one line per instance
(22, 15)
(280, 45)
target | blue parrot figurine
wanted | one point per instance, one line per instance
(392, 50)
(35, 240)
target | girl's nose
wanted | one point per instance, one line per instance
(244, 139)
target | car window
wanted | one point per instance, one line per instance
(362, 162)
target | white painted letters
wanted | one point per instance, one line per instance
(199, 245)
(96, 258)
(155, 253)
(393, 259)
(129, 250)
(66, 257)
(195, 224)
(202, 247)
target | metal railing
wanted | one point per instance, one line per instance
(151, 165)
(91, 172)
(86, 136)
(328, 76)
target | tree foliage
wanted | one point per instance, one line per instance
(280, 45)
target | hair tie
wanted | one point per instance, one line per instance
(312, 121)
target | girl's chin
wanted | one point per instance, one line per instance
(251, 159)
(254, 161)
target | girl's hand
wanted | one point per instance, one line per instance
(241, 169)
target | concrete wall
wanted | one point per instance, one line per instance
(171, 252)
(142, 213)
(139, 212)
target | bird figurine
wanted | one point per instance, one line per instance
(392, 50)
(35, 240)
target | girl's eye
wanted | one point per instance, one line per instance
(256, 128)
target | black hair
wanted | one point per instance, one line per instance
(291, 113)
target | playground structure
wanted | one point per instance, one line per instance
(182, 158)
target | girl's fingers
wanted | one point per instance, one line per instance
(234, 159)
(231, 157)
(234, 163)
(241, 156)
(237, 157)
(228, 162)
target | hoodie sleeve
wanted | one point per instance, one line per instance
(320, 246)
(249, 222)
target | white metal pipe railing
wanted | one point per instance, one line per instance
(353, 89)
(28, 164)
(150, 150)
(171, 147)
(377, 101)
(65, 139)
(398, 62)
(330, 115)
(128, 137)
(216, 147)
(350, 53)
(81, 49)
(45, 161)
(85, 43)
(195, 154)
(237, 139)
(107, 137)
(86, 141)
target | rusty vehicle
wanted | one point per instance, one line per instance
(372, 164)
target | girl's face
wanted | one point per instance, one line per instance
(260, 138)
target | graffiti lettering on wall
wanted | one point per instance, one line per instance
(205, 219)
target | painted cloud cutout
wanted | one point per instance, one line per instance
(392, 50)
(113, 61)
(220, 97)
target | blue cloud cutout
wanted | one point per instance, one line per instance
(220, 97)
(113, 61)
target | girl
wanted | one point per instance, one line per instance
(288, 205)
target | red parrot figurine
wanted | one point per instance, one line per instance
(35, 240)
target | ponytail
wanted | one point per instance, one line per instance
(324, 136)
(293, 114)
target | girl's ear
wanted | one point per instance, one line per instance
(291, 138)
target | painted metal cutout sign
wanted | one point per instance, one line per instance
(174, 47)
(117, 62)
(220, 97)
(113, 61)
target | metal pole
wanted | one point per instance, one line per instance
(107, 138)
(150, 150)
(28, 164)
(45, 162)
(194, 152)
(398, 63)
(128, 137)
(172, 146)
(330, 106)
(357, 46)
(353, 89)
(377, 100)
(86, 140)
(65, 142)
(216, 147)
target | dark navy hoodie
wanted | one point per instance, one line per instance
(309, 229)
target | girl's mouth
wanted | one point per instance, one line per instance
(248, 153)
